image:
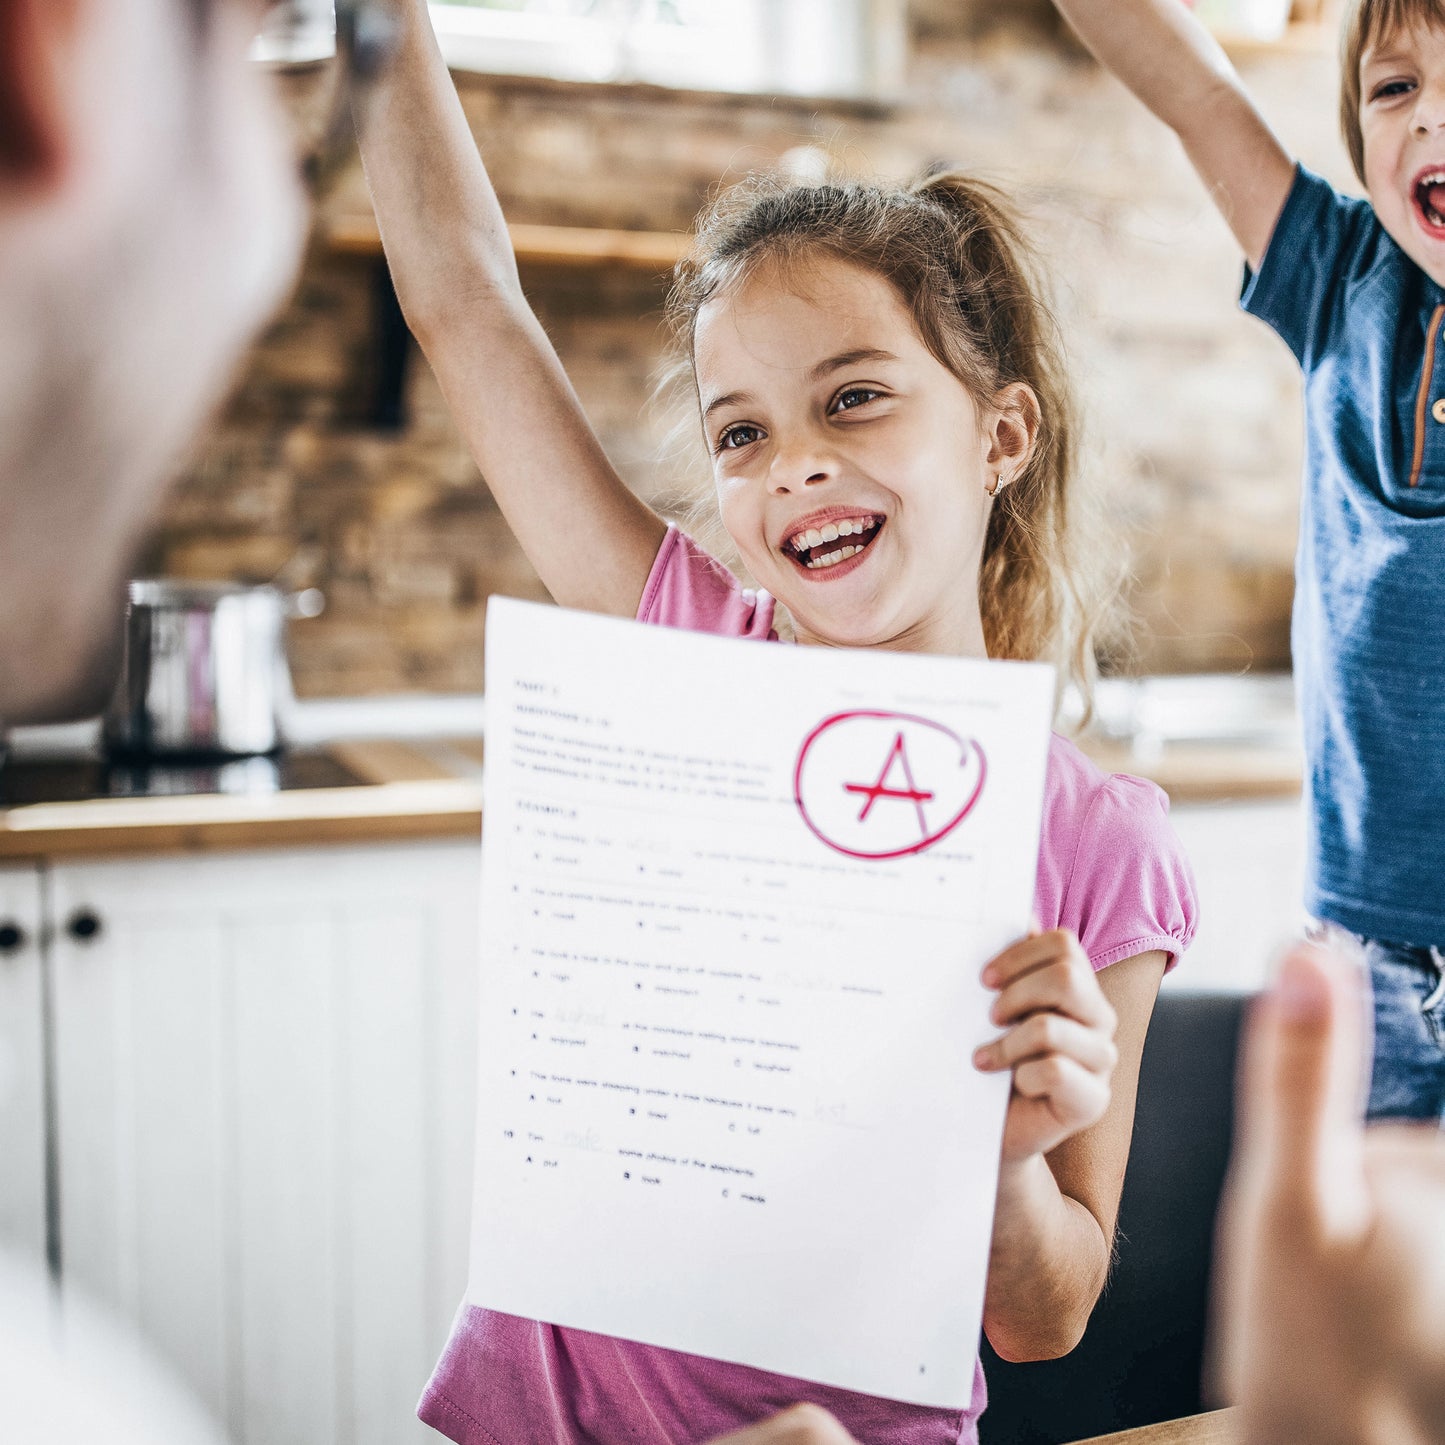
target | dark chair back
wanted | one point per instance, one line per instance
(1141, 1356)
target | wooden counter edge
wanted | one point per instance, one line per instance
(1205, 772)
(128, 827)
(1218, 1427)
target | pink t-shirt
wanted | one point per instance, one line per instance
(1110, 869)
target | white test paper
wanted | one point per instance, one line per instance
(735, 901)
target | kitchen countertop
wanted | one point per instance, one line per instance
(406, 789)
(1201, 771)
(417, 762)
(1204, 738)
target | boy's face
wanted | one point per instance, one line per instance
(1402, 125)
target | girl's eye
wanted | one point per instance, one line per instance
(854, 397)
(740, 435)
(1391, 88)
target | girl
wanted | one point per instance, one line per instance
(890, 444)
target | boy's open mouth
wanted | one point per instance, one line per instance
(834, 542)
(1430, 199)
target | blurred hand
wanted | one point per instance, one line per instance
(1330, 1319)
(800, 1425)
(1059, 1041)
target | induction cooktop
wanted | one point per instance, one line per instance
(25, 780)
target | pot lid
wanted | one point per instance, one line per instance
(179, 592)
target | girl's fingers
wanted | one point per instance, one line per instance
(1043, 1034)
(1075, 1096)
(1028, 953)
(1066, 985)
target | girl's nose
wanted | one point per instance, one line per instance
(798, 467)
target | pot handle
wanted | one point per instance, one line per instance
(309, 603)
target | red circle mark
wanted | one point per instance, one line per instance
(873, 792)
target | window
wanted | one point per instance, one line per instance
(793, 47)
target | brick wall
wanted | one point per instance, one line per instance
(1192, 409)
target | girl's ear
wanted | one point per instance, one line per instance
(39, 40)
(1013, 428)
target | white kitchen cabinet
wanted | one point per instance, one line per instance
(22, 1069)
(265, 1069)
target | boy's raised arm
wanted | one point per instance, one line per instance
(1168, 59)
(590, 539)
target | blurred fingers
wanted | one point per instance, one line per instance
(800, 1425)
(1302, 1137)
(1418, 1148)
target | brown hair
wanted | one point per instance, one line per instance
(1366, 23)
(953, 250)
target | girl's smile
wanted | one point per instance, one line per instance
(852, 467)
(823, 541)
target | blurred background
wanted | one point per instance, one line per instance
(338, 445)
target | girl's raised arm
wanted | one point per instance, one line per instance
(592, 542)
(1168, 59)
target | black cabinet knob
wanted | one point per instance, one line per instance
(12, 937)
(83, 925)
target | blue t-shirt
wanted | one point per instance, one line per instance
(1369, 614)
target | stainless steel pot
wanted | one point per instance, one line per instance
(204, 670)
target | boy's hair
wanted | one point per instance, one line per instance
(952, 249)
(1366, 23)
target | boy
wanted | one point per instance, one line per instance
(1357, 291)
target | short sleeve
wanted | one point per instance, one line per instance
(1320, 244)
(689, 589)
(1130, 888)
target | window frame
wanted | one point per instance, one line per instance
(848, 49)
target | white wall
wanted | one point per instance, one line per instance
(1248, 860)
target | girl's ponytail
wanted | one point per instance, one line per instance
(1038, 593)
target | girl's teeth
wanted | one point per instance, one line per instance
(833, 558)
(817, 537)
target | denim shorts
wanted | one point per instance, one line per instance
(1408, 986)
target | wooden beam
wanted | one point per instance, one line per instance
(578, 247)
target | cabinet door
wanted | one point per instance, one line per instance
(22, 1068)
(265, 1073)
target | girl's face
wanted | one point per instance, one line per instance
(852, 467)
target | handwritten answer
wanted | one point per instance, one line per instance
(736, 899)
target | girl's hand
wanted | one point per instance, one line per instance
(800, 1425)
(1059, 1041)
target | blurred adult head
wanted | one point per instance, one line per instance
(150, 218)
